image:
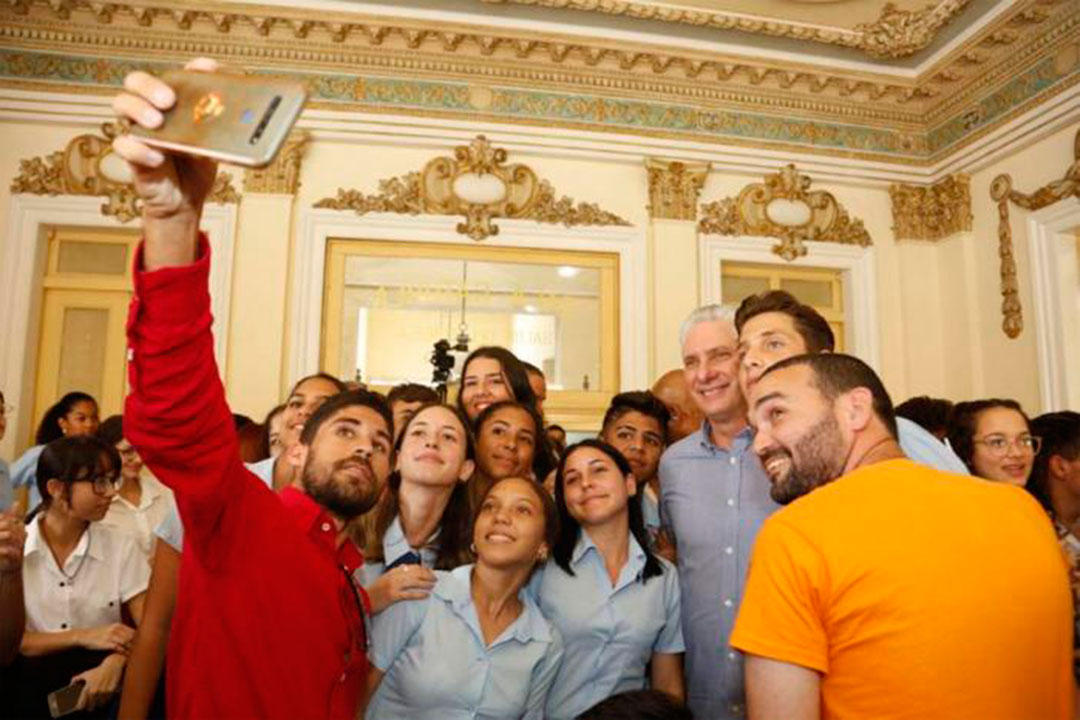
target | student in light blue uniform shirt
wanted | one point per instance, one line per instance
(635, 424)
(478, 646)
(614, 602)
(7, 493)
(424, 518)
(74, 414)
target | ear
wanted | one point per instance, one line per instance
(1057, 466)
(55, 488)
(467, 469)
(64, 425)
(855, 409)
(297, 455)
(543, 553)
(631, 484)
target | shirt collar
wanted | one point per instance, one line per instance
(395, 544)
(151, 491)
(740, 443)
(456, 589)
(313, 520)
(35, 542)
(635, 557)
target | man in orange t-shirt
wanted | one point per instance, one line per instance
(889, 589)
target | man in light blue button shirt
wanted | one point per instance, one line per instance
(714, 496)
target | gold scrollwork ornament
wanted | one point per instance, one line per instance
(784, 207)
(478, 185)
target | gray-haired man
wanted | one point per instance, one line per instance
(714, 496)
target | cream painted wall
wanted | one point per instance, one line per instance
(938, 303)
(1010, 366)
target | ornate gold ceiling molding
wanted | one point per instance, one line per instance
(88, 166)
(1002, 192)
(282, 176)
(931, 213)
(280, 35)
(478, 184)
(674, 188)
(784, 207)
(895, 34)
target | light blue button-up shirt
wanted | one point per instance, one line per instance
(438, 666)
(7, 492)
(170, 529)
(394, 545)
(714, 501)
(610, 632)
(921, 446)
(24, 472)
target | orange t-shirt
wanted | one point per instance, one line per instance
(916, 594)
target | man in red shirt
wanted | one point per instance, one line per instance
(269, 622)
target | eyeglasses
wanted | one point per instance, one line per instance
(103, 484)
(998, 445)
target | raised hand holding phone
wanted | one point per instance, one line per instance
(172, 186)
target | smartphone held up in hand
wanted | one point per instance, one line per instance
(237, 119)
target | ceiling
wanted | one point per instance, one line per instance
(909, 83)
(876, 34)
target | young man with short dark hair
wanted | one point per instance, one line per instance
(774, 325)
(405, 399)
(635, 424)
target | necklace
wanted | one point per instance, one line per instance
(82, 561)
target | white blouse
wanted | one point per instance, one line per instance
(105, 570)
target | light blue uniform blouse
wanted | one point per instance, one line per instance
(395, 545)
(7, 492)
(171, 530)
(921, 446)
(609, 632)
(438, 667)
(24, 472)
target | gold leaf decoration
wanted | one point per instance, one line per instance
(931, 213)
(674, 188)
(1002, 192)
(500, 191)
(811, 215)
(87, 166)
(282, 176)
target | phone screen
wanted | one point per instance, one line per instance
(64, 700)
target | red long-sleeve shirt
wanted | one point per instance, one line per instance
(267, 622)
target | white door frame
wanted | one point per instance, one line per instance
(1055, 291)
(22, 258)
(855, 263)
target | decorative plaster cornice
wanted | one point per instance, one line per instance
(87, 166)
(514, 191)
(895, 34)
(282, 176)
(1002, 192)
(413, 67)
(931, 213)
(784, 207)
(674, 188)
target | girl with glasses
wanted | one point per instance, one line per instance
(993, 438)
(80, 580)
